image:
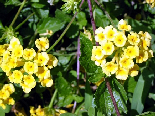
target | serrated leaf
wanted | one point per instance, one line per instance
(85, 58)
(41, 13)
(142, 89)
(49, 23)
(103, 99)
(68, 114)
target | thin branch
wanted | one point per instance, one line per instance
(112, 97)
(52, 99)
(101, 6)
(78, 72)
(20, 8)
(92, 18)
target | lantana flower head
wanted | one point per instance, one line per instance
(42, 43)
(122, 49)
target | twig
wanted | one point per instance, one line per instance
(112, 97)
(105, 12)
(20, 8)
(52, 99)
(78, 71)
(92, 18)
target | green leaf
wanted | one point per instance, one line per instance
(141, 90)
(64, 59)
(88, 96)
(103, 99)
(37, 5)
(2, 111)
(91, 111)
(13, 2)
(49, 23)
(100, 19)
(73, 31)
(130, 84)
(41, 13)
(62, 16)
(81, 19)
(67, 114)
(68, 100)
(85, 59)
(78, 99)
(62, 85)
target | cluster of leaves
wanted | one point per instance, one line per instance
(134, 96)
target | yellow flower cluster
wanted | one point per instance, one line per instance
(124, 49)
(20, 64)
(40, 112)
(5, 93)
(151, 2)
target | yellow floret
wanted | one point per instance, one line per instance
(131, 51)
(143, 56)
(133, 38)
(43, 73)
(9, 87)
(126, 63)
(120, 39)
(12, 62)
(122, 25)
(29, 54)
(47, 82)
(42, 43)
(17, 51)
(6, 56)
(14, 41)
(107, 48)
(52, 62)
(2, 50)
(110, 33)
(42, 58)
(30, 67)
(134, 71)
(17, 76)
(122, 73)
(110, 68)
(5, 67)
(39, 111)
(4, 94)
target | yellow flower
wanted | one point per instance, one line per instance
(12, 62)
(6, 56)
(110, 68)
(131, 51)
(99, 37)
(39, 111)
(43, 73)
(29, 80)
(100, 62)
(108, 48)
(110, 33)
(97, 50)
(134, 71)
(4, 94)
(52, 62)
(143, 56)
(42, 58)
(2, 50)
(14, 41)
(122, 25)
(32, 110)
(26, 88)
(9, 87)
(17, 76)
(133, 38)
(145, 43)
(9, 101)
(17, 51)
(150, 53)
(20, 62)
(47, 82)
(120, 39)
(30, 67)
(126, 63)
(5, 67)
(122, 73)
(29, 54)
(42, 43)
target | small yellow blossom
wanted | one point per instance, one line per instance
(122, 25)
(52, 62)
(122, 73)
(133, 38)
(30, 67)
(14, 41)
(131, 51)
(110, 33)
(43, 73)
(126, 63)
(17, 76)
(120, 39)
(42, 58)
(134, 71)
(29, 54)
(108, 48)
(109, 68)
(143, 56)
(47, 82)
(17, 51)
(42, 43)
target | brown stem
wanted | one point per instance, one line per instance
(92, 18)
(112, 97)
